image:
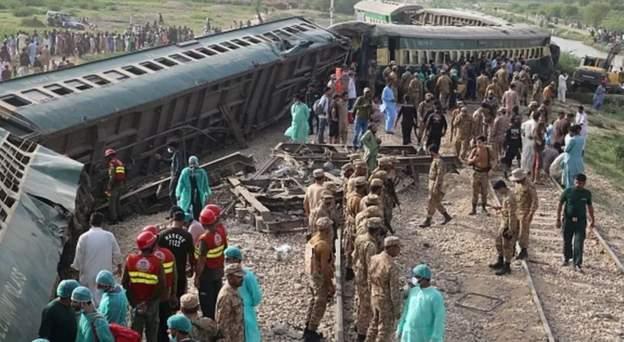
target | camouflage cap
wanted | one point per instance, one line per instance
(372, 199)
(360, 181)
(428, 96)
(347, 167)
(392, 241)
(318, 173)
(323, 223)
(327, 195)
(380, 174)
(354, 156)
(359, 163)
(376, 182)
(330, 186)
(373, 211)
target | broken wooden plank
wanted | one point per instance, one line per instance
(250, 198)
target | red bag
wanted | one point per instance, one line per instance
(124, 334)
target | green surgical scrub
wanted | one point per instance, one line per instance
(114, 306)
(91, 323)
(423, 318)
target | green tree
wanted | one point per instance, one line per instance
(614, 21)
(595, 13)
(570, 11)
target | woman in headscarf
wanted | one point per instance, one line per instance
(299, 127)
(572, 163)
(193, 188)
(250, 293)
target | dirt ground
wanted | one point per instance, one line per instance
(480, 305)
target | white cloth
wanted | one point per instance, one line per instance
(97, 250)
(528, 142)
(352, 91)
(196, 229)
(581, 119)
(563, 82)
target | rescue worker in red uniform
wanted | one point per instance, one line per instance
(144, 280)
(169, 301)
(210, 261)
(115, 185)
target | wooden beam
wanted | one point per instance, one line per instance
(240, 190)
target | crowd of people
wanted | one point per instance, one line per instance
(25, 53)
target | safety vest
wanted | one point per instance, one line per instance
(216, 242)
(168, 260)
(118, 170)
(143, 272)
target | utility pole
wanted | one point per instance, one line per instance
(331, 12)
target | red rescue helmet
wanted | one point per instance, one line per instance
(214, 208)
(207, 216)
(146, 240)
(152, 229)
(109, 152)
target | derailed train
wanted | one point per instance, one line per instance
(202, 94)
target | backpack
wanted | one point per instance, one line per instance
(316, 107)
(124, 334)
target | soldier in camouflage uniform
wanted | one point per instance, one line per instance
(318, 267)
(462, 124)
(229, 309)
(362, 217)
(313, 192)
(482, 83)
(375, 188)
(347, 171)
(424, 108)
(415, 91)
(390, 198)
(361, 170)
(325, 208)
(351, 210)
(526, 199)
(383, 276)
(495, 88)
(365, 249)
(436, 188)
(508, 229)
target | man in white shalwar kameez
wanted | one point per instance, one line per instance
(97, 250)
(527, 130)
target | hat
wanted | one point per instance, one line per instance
(81, 294)
(391, 241)
(40, 340)
(379, 174)
(374, 222)
(359, 163)
(428, 96)
(384, 160)
(367, 90)
(173, 210)
(330, 187)
(189, 301)
(517, 175)
(376, 182)
(180, 323)
(372, 199)
(421, 271)
(234, 269)
(318, 173)
(233, 252)
(324, 222)
(360, 181)
(327, 195)
(193, 161)
(347, 166)
(65, 288)
(105, 277)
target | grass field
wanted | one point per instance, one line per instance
(111, 15)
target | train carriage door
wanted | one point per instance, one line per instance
(393, 47)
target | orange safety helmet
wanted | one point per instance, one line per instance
(152, 229)
(109, 152)
(146, 240)
(207, 216)
(215, 209)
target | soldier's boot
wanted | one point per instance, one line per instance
(474, 209)
(498, 264)
(483, 207)
(447, 219)
(506, 269)
(361, 338)
(426, 224)
(523, 254)
(350, 275)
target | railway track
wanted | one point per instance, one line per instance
(573, 306)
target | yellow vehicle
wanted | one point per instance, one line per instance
(595, 70)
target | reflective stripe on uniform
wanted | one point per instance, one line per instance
(120, 169)
(215, 252)
(143, 278)
(168, 267)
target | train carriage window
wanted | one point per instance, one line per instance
(205, 51)
(166, 61)
(58, 89)
(240, 42)
(271, 36)
(134, 70)
(264, 38)
(114, 74)
(252, 39)
(15, 100)
(96, 80)
(301, 28)
(179, 58)
(406, 57)
(218, 48)
(308, 26)
(282, 34)
(229, 45)
(291, 29)
(193, 54)
(152, 66)
(78, 84)
(37, 95)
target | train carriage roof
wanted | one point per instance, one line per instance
(385, 8)
(520, 32)
(467, 14)
(34, 103)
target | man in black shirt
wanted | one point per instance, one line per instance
(435, 126)
(410, 119)
(512, 144)
(58, 319)
(180, 243)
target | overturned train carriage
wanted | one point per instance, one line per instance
(200, 93)
(39, 193)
